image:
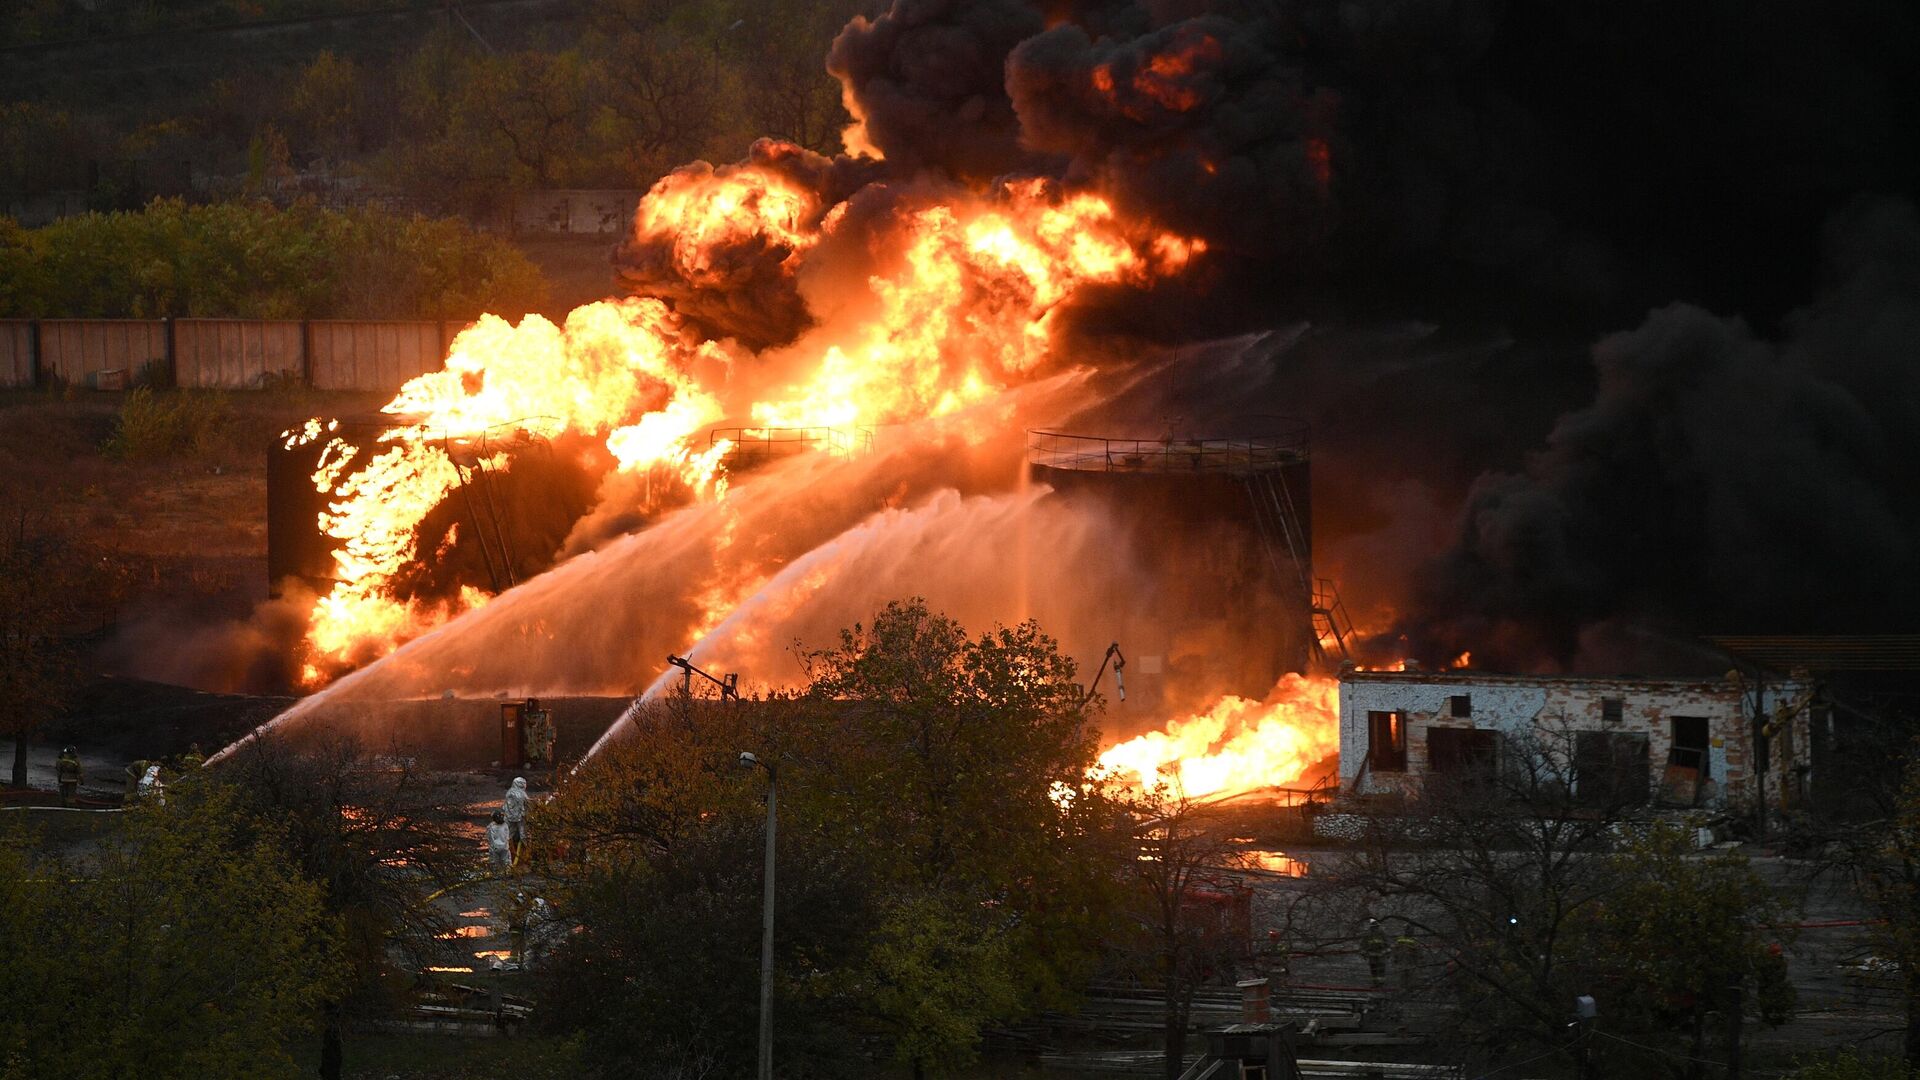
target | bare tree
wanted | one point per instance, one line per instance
(1179, 849)
(1536, 875)
(1494, 865)
(49, 593)
(1873, 840)
(380, 836)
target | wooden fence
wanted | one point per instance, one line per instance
(230, 354)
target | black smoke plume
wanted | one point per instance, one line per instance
(1527, 178)
(1718, 481)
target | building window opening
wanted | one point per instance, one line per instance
(1461, 705)
(1611, 709)
(1611, 768)
(1690, 744)
(1462, 752)
(1387, 741)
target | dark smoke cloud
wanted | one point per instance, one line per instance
(1198, 125)
(745, 290)
(927, 77)
(1536, 175)
(1718, 480)
(1456, 157)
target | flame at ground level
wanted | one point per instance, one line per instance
(1238, 744)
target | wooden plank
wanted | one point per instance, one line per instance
(322, 356)
(195, 353)
(16, 353)
(233, 341)
(74, 350)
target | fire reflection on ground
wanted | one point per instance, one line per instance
(1272, 862)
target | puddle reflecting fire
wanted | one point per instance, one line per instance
(1273, 862)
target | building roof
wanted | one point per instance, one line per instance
(1853, 652)
(1472, 676)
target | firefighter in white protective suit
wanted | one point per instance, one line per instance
(152, 786)
(514, 809)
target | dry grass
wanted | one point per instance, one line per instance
(167, 424)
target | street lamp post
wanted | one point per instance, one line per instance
(749, 760)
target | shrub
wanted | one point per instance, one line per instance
(154, 425)
(1849, 1065)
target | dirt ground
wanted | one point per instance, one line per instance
(188, 528)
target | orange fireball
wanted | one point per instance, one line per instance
(963, 307)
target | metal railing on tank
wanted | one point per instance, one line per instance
(757, 446)
(1170, 454)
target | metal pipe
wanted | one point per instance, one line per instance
(766, 935)
(749, 759)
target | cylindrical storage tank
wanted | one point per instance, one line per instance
(1221, 528)
(297, 551)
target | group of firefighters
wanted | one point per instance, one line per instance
(1375, 947)
(507, 833)
(144, 779)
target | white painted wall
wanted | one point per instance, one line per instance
(1551, 707)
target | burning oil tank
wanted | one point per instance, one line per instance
(518, 493)
(1224, 526)
(299, 555)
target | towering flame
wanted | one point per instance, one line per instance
(1238, 744)
(963, 304)
(987, 277)
(622, 369)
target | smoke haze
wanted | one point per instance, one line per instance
(1604, 319)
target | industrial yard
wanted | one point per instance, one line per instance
(898, 538)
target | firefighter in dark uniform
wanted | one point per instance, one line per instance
(68, 770)
(1374, 947)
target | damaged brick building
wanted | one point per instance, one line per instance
(1663, 742)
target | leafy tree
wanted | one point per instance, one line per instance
(186, 947)
(324, 105)
(961, 769)
(253, 260)
(944, 860)
(42, 146)
(1679, 939)
(662, 835)
(533, 108)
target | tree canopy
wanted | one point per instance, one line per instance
(944, 862)
(254, 260)
(186, 947)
